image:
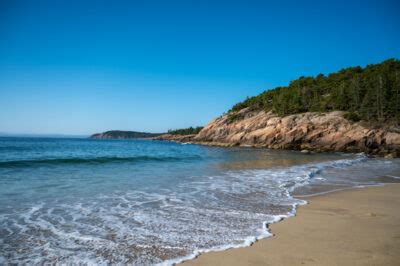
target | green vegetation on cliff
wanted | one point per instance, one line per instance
(371, 93)
(185, 131)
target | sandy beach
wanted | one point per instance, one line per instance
(352, 227)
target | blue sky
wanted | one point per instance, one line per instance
(78, 67)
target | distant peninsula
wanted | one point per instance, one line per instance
(119, 134)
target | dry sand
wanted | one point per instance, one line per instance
(352, 227)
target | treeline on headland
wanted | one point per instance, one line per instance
(185, 131)
(371, 93)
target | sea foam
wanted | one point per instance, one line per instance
(157, 211)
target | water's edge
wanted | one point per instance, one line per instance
(157, 203)
(266, 226)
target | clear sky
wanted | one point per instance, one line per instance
(78, 67)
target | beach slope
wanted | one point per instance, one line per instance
(352, 227)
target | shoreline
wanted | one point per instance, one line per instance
(299, 239)
(306, 150)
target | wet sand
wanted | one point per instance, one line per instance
(352, 227)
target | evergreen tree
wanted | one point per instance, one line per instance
(369, 93)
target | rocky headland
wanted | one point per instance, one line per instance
(356, 109)
(308, 131)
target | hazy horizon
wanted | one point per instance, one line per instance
(78, 68)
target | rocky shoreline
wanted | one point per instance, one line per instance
(319, 132)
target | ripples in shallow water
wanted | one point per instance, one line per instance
(157, 211)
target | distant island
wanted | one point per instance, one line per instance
(356, 109)
(119, 134)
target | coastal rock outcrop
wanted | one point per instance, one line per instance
(305, 131)
(175, 137)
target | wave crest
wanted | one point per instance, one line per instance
(95, 160)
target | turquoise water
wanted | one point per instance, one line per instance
(149, 202)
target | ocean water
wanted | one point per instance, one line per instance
(147, 202)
